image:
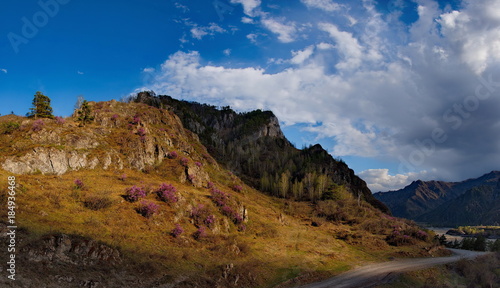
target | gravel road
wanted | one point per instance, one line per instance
(369, 275)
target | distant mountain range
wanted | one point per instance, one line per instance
(470, 202)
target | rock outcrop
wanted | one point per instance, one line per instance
(134, 136)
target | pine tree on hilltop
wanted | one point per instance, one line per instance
(41, 107)
(84, 115)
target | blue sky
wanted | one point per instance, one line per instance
(392, 87)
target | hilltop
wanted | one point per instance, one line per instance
(469, 202)
(134, 199)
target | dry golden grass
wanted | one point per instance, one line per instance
(280, 241)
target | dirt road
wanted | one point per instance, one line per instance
(375, 273)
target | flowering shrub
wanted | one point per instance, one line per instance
(200, 233)
(38, 125)
(184, 161)
(219, 197)
(114, 117)
(422, 235)
(399, 237)
(142, 133)
(210, 185)
(167, 193)
(177, 231)
(134, 193)
(202, 216)
(147, 208)
(198, 164)
(210, 220)
(237, 188)
(123, 177)
(235, 216)
(172, 155)
(79, 184)
(60, 120)
(136, 119)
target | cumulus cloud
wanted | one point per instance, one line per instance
(302, 55)
(249, 6)
(286, 31)
(327, 5)
(419, 98)
(379, 180)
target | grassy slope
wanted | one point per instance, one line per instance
(279, 242)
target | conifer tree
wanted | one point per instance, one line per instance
(84, 114)
(41, 106)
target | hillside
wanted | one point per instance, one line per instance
(430, 197)
(253, 146)
(134, 199)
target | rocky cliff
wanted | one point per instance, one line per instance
(253, 146)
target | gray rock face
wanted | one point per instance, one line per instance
(55, 161)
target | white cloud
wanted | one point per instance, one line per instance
(247, 20)
(286, 32)
(200, 32)
(379, 180)
(375, 91)
(227, 52)
(249, 6)
(325, 46)
(80, 72)
(252, 37)
(4, 70)
(474, 33)
(326, 5)
(302, 55)
(149, 70)
(347, 45)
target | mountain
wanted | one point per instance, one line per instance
(253, 146)
(134, 199)
(422, 198)
(477, 206)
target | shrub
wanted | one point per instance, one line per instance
(37, 125)
(114, 117)
(134, 193)
(210, 220)
(172, 155)
(136, 119)
(79, 184)
(142, 133)
(177, 231)
(198, 164)
(184, 161)
(237, 188)
(219, 197)
(210, 185)
(231, 213)
(97, 202)
(200, 233)
(147, 208)
(123, 177)
(202, 216)
(10, 127)
(60, 120)
(167, 193)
